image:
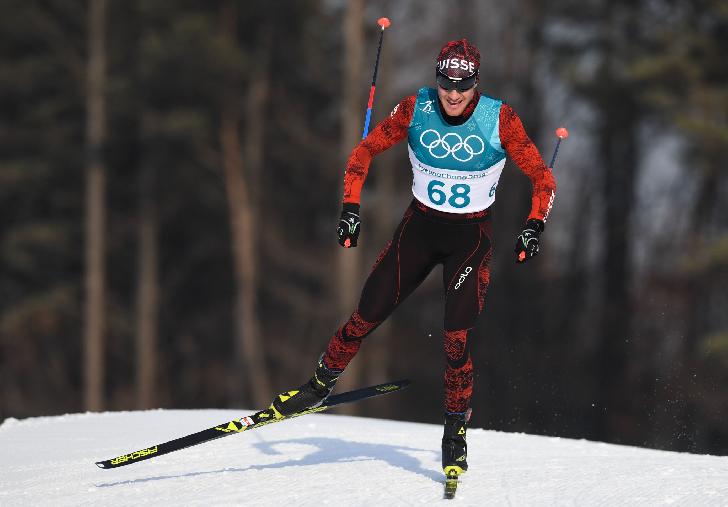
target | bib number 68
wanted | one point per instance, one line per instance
(459, 194)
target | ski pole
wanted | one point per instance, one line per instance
(384, 23)
(561, 133)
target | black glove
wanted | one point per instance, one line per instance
(527, 241)
(349, 225)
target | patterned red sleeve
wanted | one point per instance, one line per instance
(386, 134)
(526, 156)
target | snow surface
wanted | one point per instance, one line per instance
(332, 460)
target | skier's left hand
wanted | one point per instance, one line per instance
(527, 241)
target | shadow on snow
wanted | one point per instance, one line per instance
(329, 450)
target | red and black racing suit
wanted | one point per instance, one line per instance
(427, 237)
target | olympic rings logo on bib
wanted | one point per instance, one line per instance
(462, 150)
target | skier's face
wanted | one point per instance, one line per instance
(455, 101)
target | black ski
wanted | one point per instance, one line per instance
(246, 423)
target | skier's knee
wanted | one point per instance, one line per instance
(457, 350)
(357, 327)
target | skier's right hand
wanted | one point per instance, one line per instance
(349, 225)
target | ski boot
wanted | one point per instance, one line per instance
(309, 395)
(454, 448)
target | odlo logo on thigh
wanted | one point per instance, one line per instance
(463, 275)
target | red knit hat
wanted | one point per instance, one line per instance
(458, 59)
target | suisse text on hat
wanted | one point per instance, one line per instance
(456, 63)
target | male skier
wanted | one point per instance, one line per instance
(457, 141)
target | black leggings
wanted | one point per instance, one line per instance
(424, 239)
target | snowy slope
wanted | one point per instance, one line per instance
(332, 460)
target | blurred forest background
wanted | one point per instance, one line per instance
(170, 186)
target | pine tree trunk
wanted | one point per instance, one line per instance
(147, 278)
(619, 394)
(349, 259)
(249, 364)
(95, 288)
(619, 153)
